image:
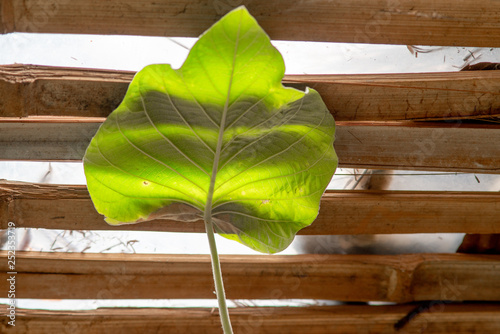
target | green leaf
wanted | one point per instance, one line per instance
(219, 138)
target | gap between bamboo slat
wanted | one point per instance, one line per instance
(441, 317)
(400, 278)
(35, 92)
(381, 145)
(341, 212)
(410, 22)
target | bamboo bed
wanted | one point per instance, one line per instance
(385, 121)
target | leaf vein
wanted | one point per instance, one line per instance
(165, 138)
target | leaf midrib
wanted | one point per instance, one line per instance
(215, 167)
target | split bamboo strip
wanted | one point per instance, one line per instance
(419, 146)
(34, 92)
(407, 96)
(442, 317)
(414, 22)
(341, 212)
(380, 145)
(401, 278)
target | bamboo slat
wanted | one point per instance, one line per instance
(419, 146)
(38, 91)
(34, 91)
(341, 212)
(422, 22)
(380, 145)
(441, 317)
(402, 278)
(408, 96)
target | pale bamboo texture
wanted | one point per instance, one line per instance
(36, 91)
(423, 22)
(341, 212)
(391, 278)
(434, 318)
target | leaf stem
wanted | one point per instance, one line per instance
(219, 284)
